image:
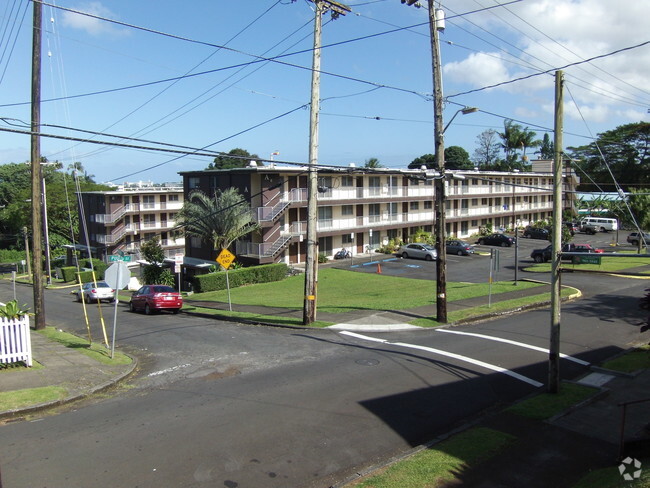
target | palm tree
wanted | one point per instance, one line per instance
(221, 220)
(372, 163)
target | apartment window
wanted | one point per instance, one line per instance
(193, 182)
(474, 202)
(149, 220)
(148, 201)
(428, 204)
(324, 213)
(149, 235)
(347, 181)
(346, 239)
(347, 210)
(414, 206)
(325, 245)
(173, 198)
(484, 201)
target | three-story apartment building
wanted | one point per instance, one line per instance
(122, 219)
(361, 209)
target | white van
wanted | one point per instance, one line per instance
(601, 224)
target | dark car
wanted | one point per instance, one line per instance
(573, 227)
(544, 255)
(635, 237)
(496, 240)
(153, 298)
(459, 248)
(536, 233)
(421, 251)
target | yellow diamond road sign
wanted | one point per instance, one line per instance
(225, 258)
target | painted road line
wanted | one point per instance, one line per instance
(514, 343)
(476, 362)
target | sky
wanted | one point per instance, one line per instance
(213, 75)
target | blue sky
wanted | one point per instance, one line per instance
(375, 89)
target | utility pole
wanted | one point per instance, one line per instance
(37, 179)
(27, 259)
(436, 22)
(554, 349)
(311, 261)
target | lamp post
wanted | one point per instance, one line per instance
(464, 111)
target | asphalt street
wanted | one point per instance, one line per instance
(222, 404)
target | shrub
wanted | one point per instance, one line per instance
(322, 258)
(238, 277)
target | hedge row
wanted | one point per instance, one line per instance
(70, 272)
(238, 277)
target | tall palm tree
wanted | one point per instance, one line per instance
(220, 220)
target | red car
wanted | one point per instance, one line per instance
(153, 298)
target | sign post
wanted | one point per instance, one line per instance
(225, 259)
(178, 263)
(117, 276)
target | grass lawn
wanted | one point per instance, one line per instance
(631, 361)
(95, 350)
(545, 405)
(439, 465)
(10, 400)
(341, 291)
(609, 265)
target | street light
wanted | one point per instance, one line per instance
(464, 111)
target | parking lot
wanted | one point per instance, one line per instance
(475, 268)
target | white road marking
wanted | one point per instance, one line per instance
(476, 362)
(514, 343)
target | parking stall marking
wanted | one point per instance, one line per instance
(476, 362)
(514, 343)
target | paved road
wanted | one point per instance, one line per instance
(220, 404)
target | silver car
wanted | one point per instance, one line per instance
(420, 251)
(91, 293)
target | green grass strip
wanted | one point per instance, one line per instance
(546, 405)
(439, 464)
(96, 351)
(630, 361)
(11, 400)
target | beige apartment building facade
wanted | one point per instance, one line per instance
(363, 209)
(121, 220)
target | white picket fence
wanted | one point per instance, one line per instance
(15, 341)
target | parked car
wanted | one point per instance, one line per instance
(544, 255)
(635, 237)
(420, 251)
(153, 298)
(573, 227)
(458, 247)
(496, 240)
(89, 292)
(536, 233)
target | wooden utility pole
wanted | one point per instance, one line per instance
(311, 260)
(556, 243)
(37, 179)
(439, 154)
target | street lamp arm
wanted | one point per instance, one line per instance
(464, 111)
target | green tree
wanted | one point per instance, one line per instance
(236, 158)
(546, 148)
(457, 158)
(220, 220)
(154, 273)
(639, 202)
(428, 160)
(621, 154)
(373, 163)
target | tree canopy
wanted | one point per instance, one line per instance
(236, 158)
(61, 202)
(625, 153)
(457, 158)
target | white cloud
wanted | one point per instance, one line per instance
(92, 25)
(556, 33)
